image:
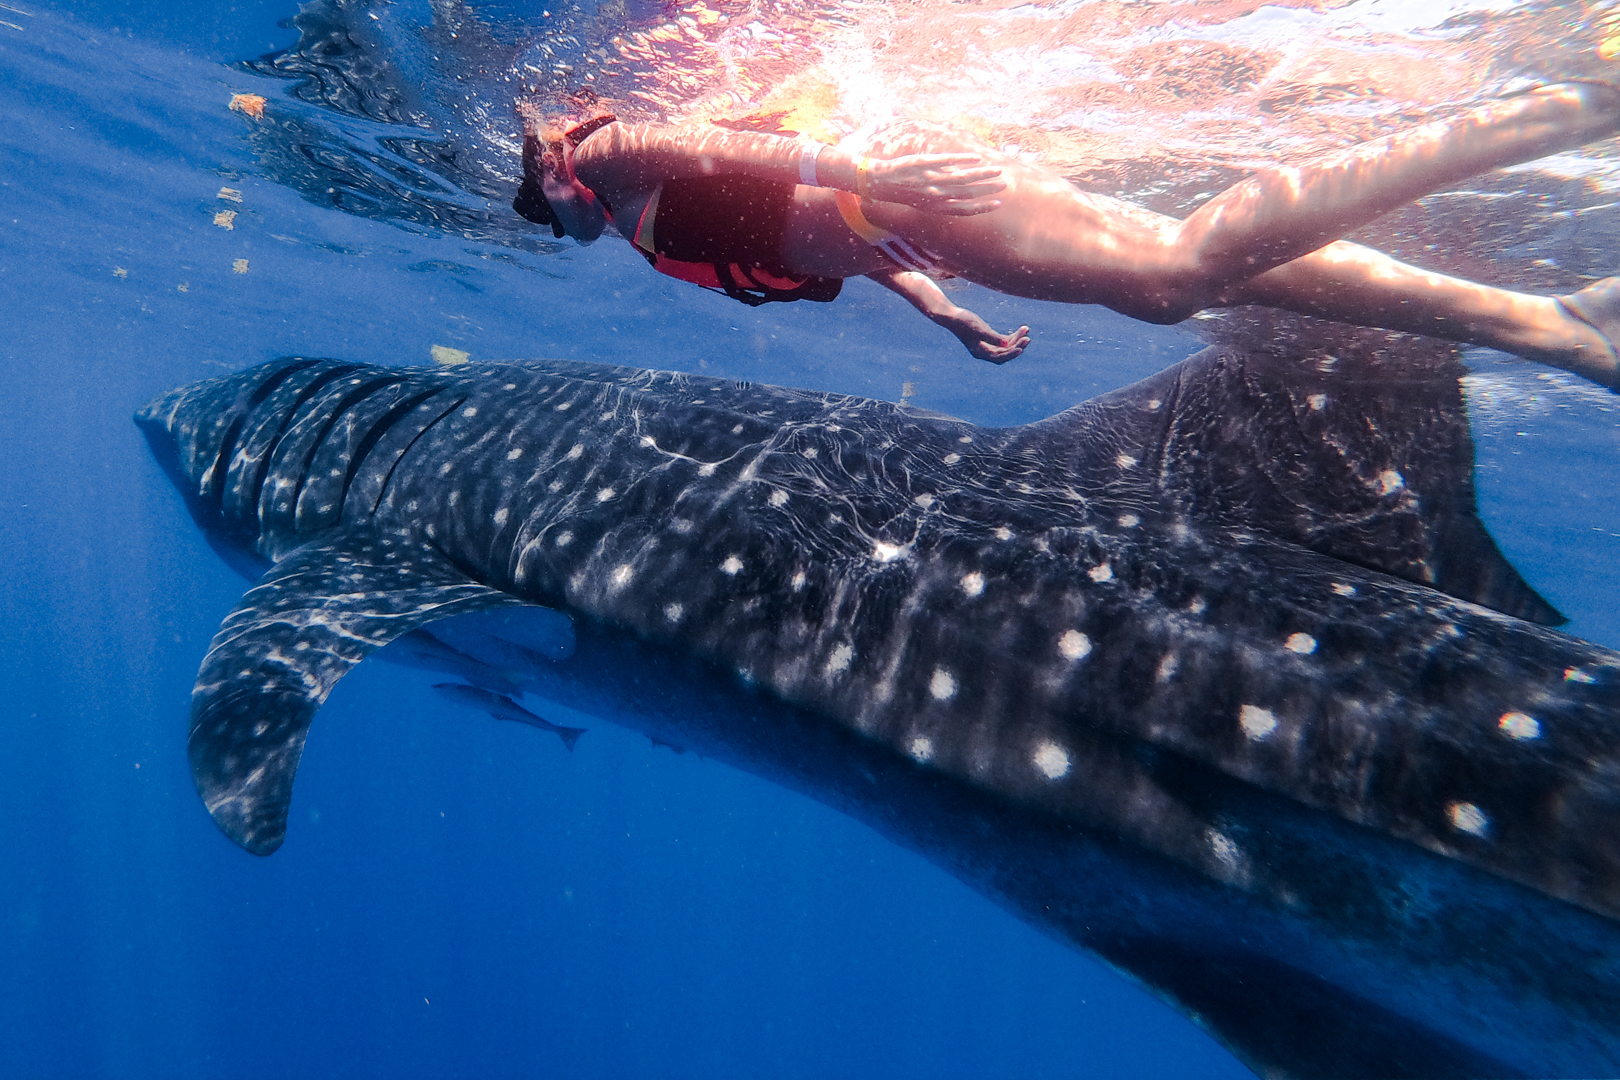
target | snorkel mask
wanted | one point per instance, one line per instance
(531, 201)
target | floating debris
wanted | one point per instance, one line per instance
(250, 104)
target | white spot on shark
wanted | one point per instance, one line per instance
(672, 612)
(1052, 760)
(973, 583)
(1074, 645)
(1518, 725)
(1100, 574)
(883, 552)
(965, 439)
(737, 430)
(1154, 405)
(444, 470)
(604, 495)
(649, 442)
(921, 748)
(707, 468)
(1468, 818)
(1124, 461)
(732, 565)
(1318, 402)
(798, 580)
(681, 525)
(924, 500)
(470, 411)
(622, 575)
(809, 451)
(1129, 521)
(1257, 723)
(1390, 481)
(779, 497)
(1342, 589)
(501, 515)
(575, 452)
(514, 453)
(565, 406)
(1167, 667)
(942, 685)
(1225, 849)
(952, 458)
(1576, 675)
(1003, 533)
(839, 658)
(565, 538)
(1303, 644)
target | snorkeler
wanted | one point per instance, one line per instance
(766, 217)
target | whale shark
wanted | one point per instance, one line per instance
(1218, 677)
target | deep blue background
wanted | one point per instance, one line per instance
(459, 897)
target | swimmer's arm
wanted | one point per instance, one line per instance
(624, 158)
(969, 329)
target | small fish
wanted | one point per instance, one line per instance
(502, 707)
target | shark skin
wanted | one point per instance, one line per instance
(1218, 676)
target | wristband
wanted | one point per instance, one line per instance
(808, 153)
(863, 177)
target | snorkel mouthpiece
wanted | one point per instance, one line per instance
(531, 204)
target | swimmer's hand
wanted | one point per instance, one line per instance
(969, 329)
(960, 185)
(984, 342)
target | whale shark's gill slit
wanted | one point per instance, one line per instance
(315, 387)
(382, 492)
(227, 447)
(381, 428)
(350, 400)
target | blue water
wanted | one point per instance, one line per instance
(460, 897)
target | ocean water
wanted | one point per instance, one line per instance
(457, 896)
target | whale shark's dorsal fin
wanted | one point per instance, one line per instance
(1364, 460)
(312, 617)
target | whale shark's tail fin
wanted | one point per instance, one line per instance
(1360, 457)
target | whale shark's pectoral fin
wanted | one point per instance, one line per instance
(319, 611)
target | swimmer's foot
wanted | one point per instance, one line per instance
(1598, 306)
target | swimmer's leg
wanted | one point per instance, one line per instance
(1280, 214)
(1358, 285)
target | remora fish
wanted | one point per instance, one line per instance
(1217, 676)
(502, 707)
